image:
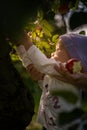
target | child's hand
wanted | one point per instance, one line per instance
(79, 79)
(63, 71)
(34, 73)
(24, 40)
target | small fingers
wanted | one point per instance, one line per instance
(61, 68)
(29, 68)
(34, 73)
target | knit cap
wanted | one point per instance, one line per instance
(76, 45)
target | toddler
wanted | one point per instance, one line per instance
(50, 105)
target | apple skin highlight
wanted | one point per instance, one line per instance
(73, 66)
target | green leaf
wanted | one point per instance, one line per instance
(67, 117)
(47, 28)
(40, 14)
(84, 100)
(84, 105)
(33, 35)
(55, 38)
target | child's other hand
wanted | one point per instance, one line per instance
(63, 72)
(34, 73)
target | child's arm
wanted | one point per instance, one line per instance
(78, 79)
(41, 62)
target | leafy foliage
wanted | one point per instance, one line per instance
(41, 35)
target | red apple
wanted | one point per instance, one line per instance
(39, 28)
(64, 8)
(73, 65)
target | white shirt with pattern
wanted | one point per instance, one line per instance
(50, 105)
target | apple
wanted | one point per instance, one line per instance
(39, 28)
(73, 65)
(64, 8)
